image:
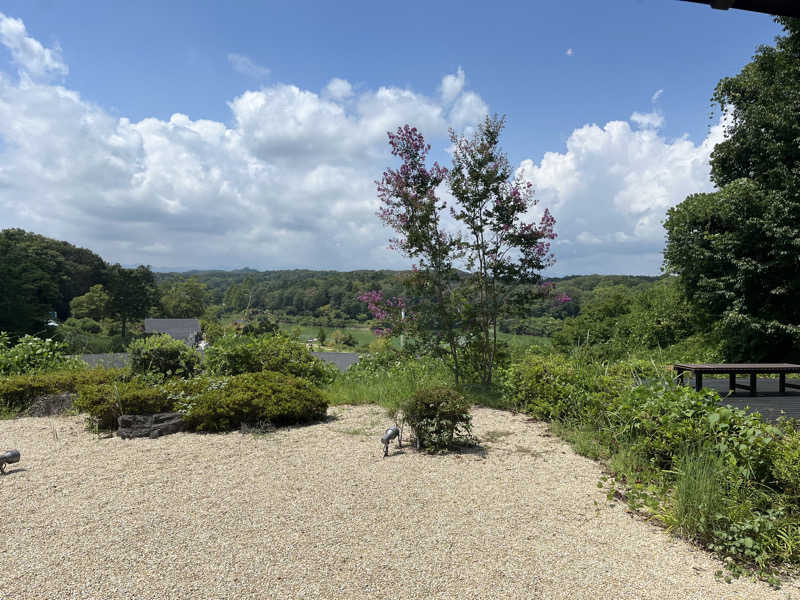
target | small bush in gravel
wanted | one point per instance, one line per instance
(225, 403)
(104, 403)
(439, 418)
(164, 355)
(19, 391)
(237, 354)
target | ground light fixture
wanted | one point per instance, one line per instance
(7, 458)
(388, 436)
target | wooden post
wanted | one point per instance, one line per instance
(698, 380)
(752, 384)
(732, 382)
(782, 382)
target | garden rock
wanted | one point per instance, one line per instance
(152, 426)
(50, 404)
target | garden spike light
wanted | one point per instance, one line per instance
(12, 456)
(388, 436)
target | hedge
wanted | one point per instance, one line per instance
(18, 392)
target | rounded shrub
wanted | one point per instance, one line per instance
(164, 355)
(224, 403)
(439, 418)
(106, 402)
(237, 354)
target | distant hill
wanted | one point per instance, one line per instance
(332, 294)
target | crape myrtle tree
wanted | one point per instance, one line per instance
(410, 206)
(498, 249)
(502, 251)
(737, 250)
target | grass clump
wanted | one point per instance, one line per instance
(388, 379)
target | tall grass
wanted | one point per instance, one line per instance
(388, 387)
(698, 495)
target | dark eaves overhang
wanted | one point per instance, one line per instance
(780, 8)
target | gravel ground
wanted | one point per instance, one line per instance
(316, 512)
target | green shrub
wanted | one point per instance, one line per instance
(554, 386)
(223, 404)
(164, 355)
(19, 391)
(106, 402)
(237, 354)
(35, 355)
(699, 494)
(786, 462)
(439, 418)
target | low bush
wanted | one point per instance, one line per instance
(19, 391)
(105, 402)
(237, 354)
(164, 355)
(222, 404)
(439, 418)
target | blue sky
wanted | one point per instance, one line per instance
(199, 134)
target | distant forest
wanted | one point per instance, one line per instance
(43, 279)
(329, 298)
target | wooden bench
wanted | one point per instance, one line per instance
(752, 369)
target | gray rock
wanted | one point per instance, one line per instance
(152, 426)
(50, 404)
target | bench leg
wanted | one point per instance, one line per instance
(782, 383)
(732, 382)
(752, 384)
(698, 381)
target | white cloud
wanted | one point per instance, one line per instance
(469, 108)
(339, 89)
(245, 66)
(288, 183)
(452, 85)
(569, 52)
(30, 56)
(609, 192)
(652, 119)
(656, 96)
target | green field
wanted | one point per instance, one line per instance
(364, 336)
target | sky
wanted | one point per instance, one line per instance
(195, 134)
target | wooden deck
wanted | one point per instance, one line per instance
(733, 370)
(769, 401)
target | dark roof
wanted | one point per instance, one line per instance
(187, 330)
(781, 8)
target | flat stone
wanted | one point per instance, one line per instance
(50, 404)
(150, 426)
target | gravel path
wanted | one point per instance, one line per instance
(315, 512)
